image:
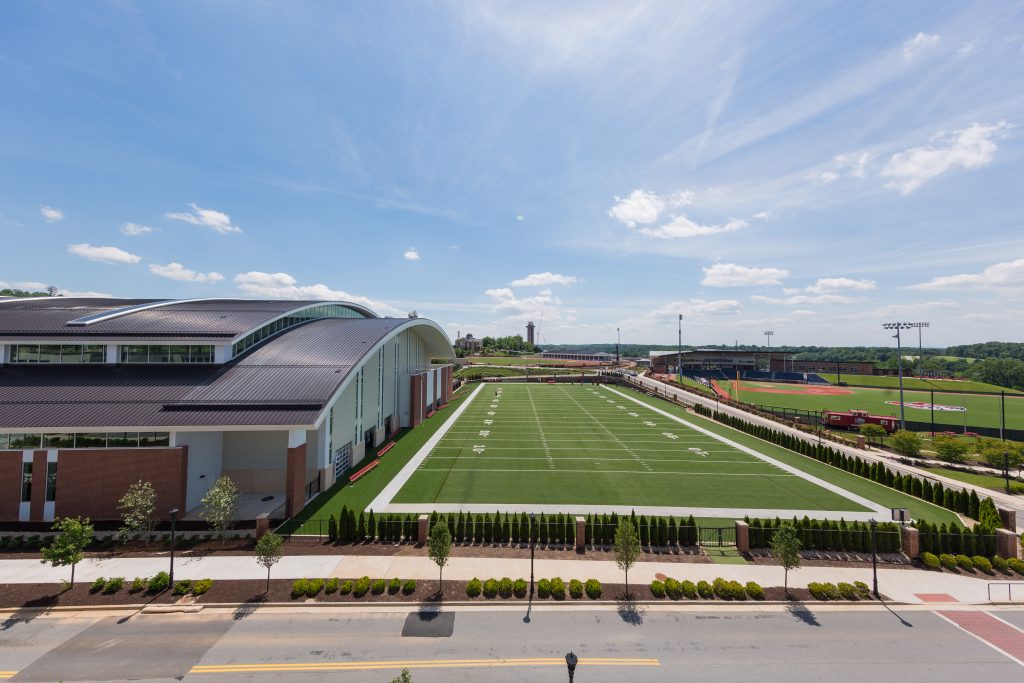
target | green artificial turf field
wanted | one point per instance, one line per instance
(982, 410)
(585, 445)
(888, 381)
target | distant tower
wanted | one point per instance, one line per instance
(529, 332)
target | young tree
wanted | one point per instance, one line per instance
(404, 677)
(220, 505)
(950, 448)
(786, 549)
(627, 547)
(906, 443)
(138, 511)
(439, 548)
(268, 552)
(74, 534)
(872, 432)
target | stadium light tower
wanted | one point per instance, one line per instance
(679, 350)
(899, 359)
(768, 336)
(920, 348)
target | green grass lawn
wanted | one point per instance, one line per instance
(476, 372)
(519, 360)
(885, 381)
(982, 410)
(980, 480)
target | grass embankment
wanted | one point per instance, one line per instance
(945, 385)
(521, 360)
(480, 371)
(981, 480)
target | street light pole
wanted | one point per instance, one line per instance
(174, 518)
(531, 554)
(571, 660)
(874, 556)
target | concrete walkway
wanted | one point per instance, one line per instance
(902, 585)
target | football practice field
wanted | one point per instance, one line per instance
(560, 447)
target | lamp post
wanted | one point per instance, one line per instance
(920, 348)
(1006, 469)
(768, 336)
(531, 554)
(571, 660)
(174, 518)
(874, 557)
(899, 359)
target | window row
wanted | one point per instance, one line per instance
(26, 482)
(182, 353)
(85, 440)
(58, 353)
(281, 324)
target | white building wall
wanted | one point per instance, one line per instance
(205, 461)
(256, 460)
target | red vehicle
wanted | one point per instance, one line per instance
(853, 419)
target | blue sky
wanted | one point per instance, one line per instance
(815, 169)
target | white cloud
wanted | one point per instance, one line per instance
(215, 220)
(523, 308)
(767, 216)
(102, 254)
(50, 214)
(284, 286)
(642, 207)
(857, 164)
(176, 271)
(824, 177)
(715, 307)
(732, 275)
(839, 284)
(967, 48)
(919, 43)
(1006, 274)
(411, 254)
(802, 313)
(520, 217)
(969, 148)
(681, 227)
(544, 279)
(803, 299)
(134, 229)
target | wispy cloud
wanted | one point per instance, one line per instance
(733, 275)
(919, 43)
(840, 284)
(803, 299)
(1005, 274)
(176, 271)
(135, 230)
(969, 149)
(544, 279)
(50, 214)
(284, 286)
(102, 254)
(643, 207)
(217, 221)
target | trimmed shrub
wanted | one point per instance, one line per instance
(964, 563)
(378, 587)
(847, 591)
(543, 589)
(159, 582)
(97, 585)
(948, 561)
(658, 589)
(558, 589)
(490, 588)
(394, 586)
(1015, 564)
(473, 588)
(183, 587)
(754, 591)
(299, 587)
(113, 585)
(593, 588)
(576, 589)
(673, 589)
(689, 589)
(1000, 564)
(346, 587)
(863, 591)
(704, 590)
(138, 584)
(202, 586)
(361, 587)
(982, 564)
(930, 561)
(332, 585)
(520, 588)
(313, 587)
(824, 591)
(409, 587)
(505, 587)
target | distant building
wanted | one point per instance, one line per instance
(599, 357)
(469, 343)
(529, 332)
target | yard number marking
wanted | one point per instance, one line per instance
(479, 449)
(698, 451)
(485, 432)
(670, 435)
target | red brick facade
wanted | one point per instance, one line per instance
(10, 485)
(419, 387)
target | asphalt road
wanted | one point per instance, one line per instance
(651, 645)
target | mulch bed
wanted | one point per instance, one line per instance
(53, 595)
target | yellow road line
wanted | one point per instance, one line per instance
(415, 664)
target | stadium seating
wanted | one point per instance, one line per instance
(815, 378)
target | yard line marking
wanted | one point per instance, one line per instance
(575, 472)
(607, 431)
(540, 430)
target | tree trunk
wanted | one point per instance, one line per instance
(268, 582)
(72, 576)
(785, 582)
(627, 584)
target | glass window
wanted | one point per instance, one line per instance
(25, 353)
(123, 439)
(159, 354)
(179, 354)
(26, 482)
(51, 482)
(24, 441)
(49, 353)
(58, 440)
(4, 441)
(70, 353)
(202, 354)
(94, 353)
(154, 439)
(91, 440)
(134, 354)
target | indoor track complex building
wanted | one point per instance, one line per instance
(282, 396)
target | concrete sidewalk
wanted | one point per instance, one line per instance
(902, 585)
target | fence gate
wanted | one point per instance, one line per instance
(716, 536)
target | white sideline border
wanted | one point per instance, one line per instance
(860, 500)
(383, 498)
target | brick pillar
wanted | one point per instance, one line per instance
(581, 535)
(422, 525)
(742, 536)
(1007, 543)
(262, 524)
(860, 442)
(295, 480)
(910, 539)
(1009, 518)
(416, 400)
(38, 486)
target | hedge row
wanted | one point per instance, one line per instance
(546, 588)
(719, 588)
(858, 590)
(960, 501)
(155, 584)
(310, 588)
(826, 535)
(954, 540)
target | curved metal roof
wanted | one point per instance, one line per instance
(288, 380)
(61, 318)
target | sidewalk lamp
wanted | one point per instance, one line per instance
(174, 518)
(571, 661)
(531, 553)
(874, 557)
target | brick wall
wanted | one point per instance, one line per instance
(10, 485)
(416, 400)
(90, 482)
